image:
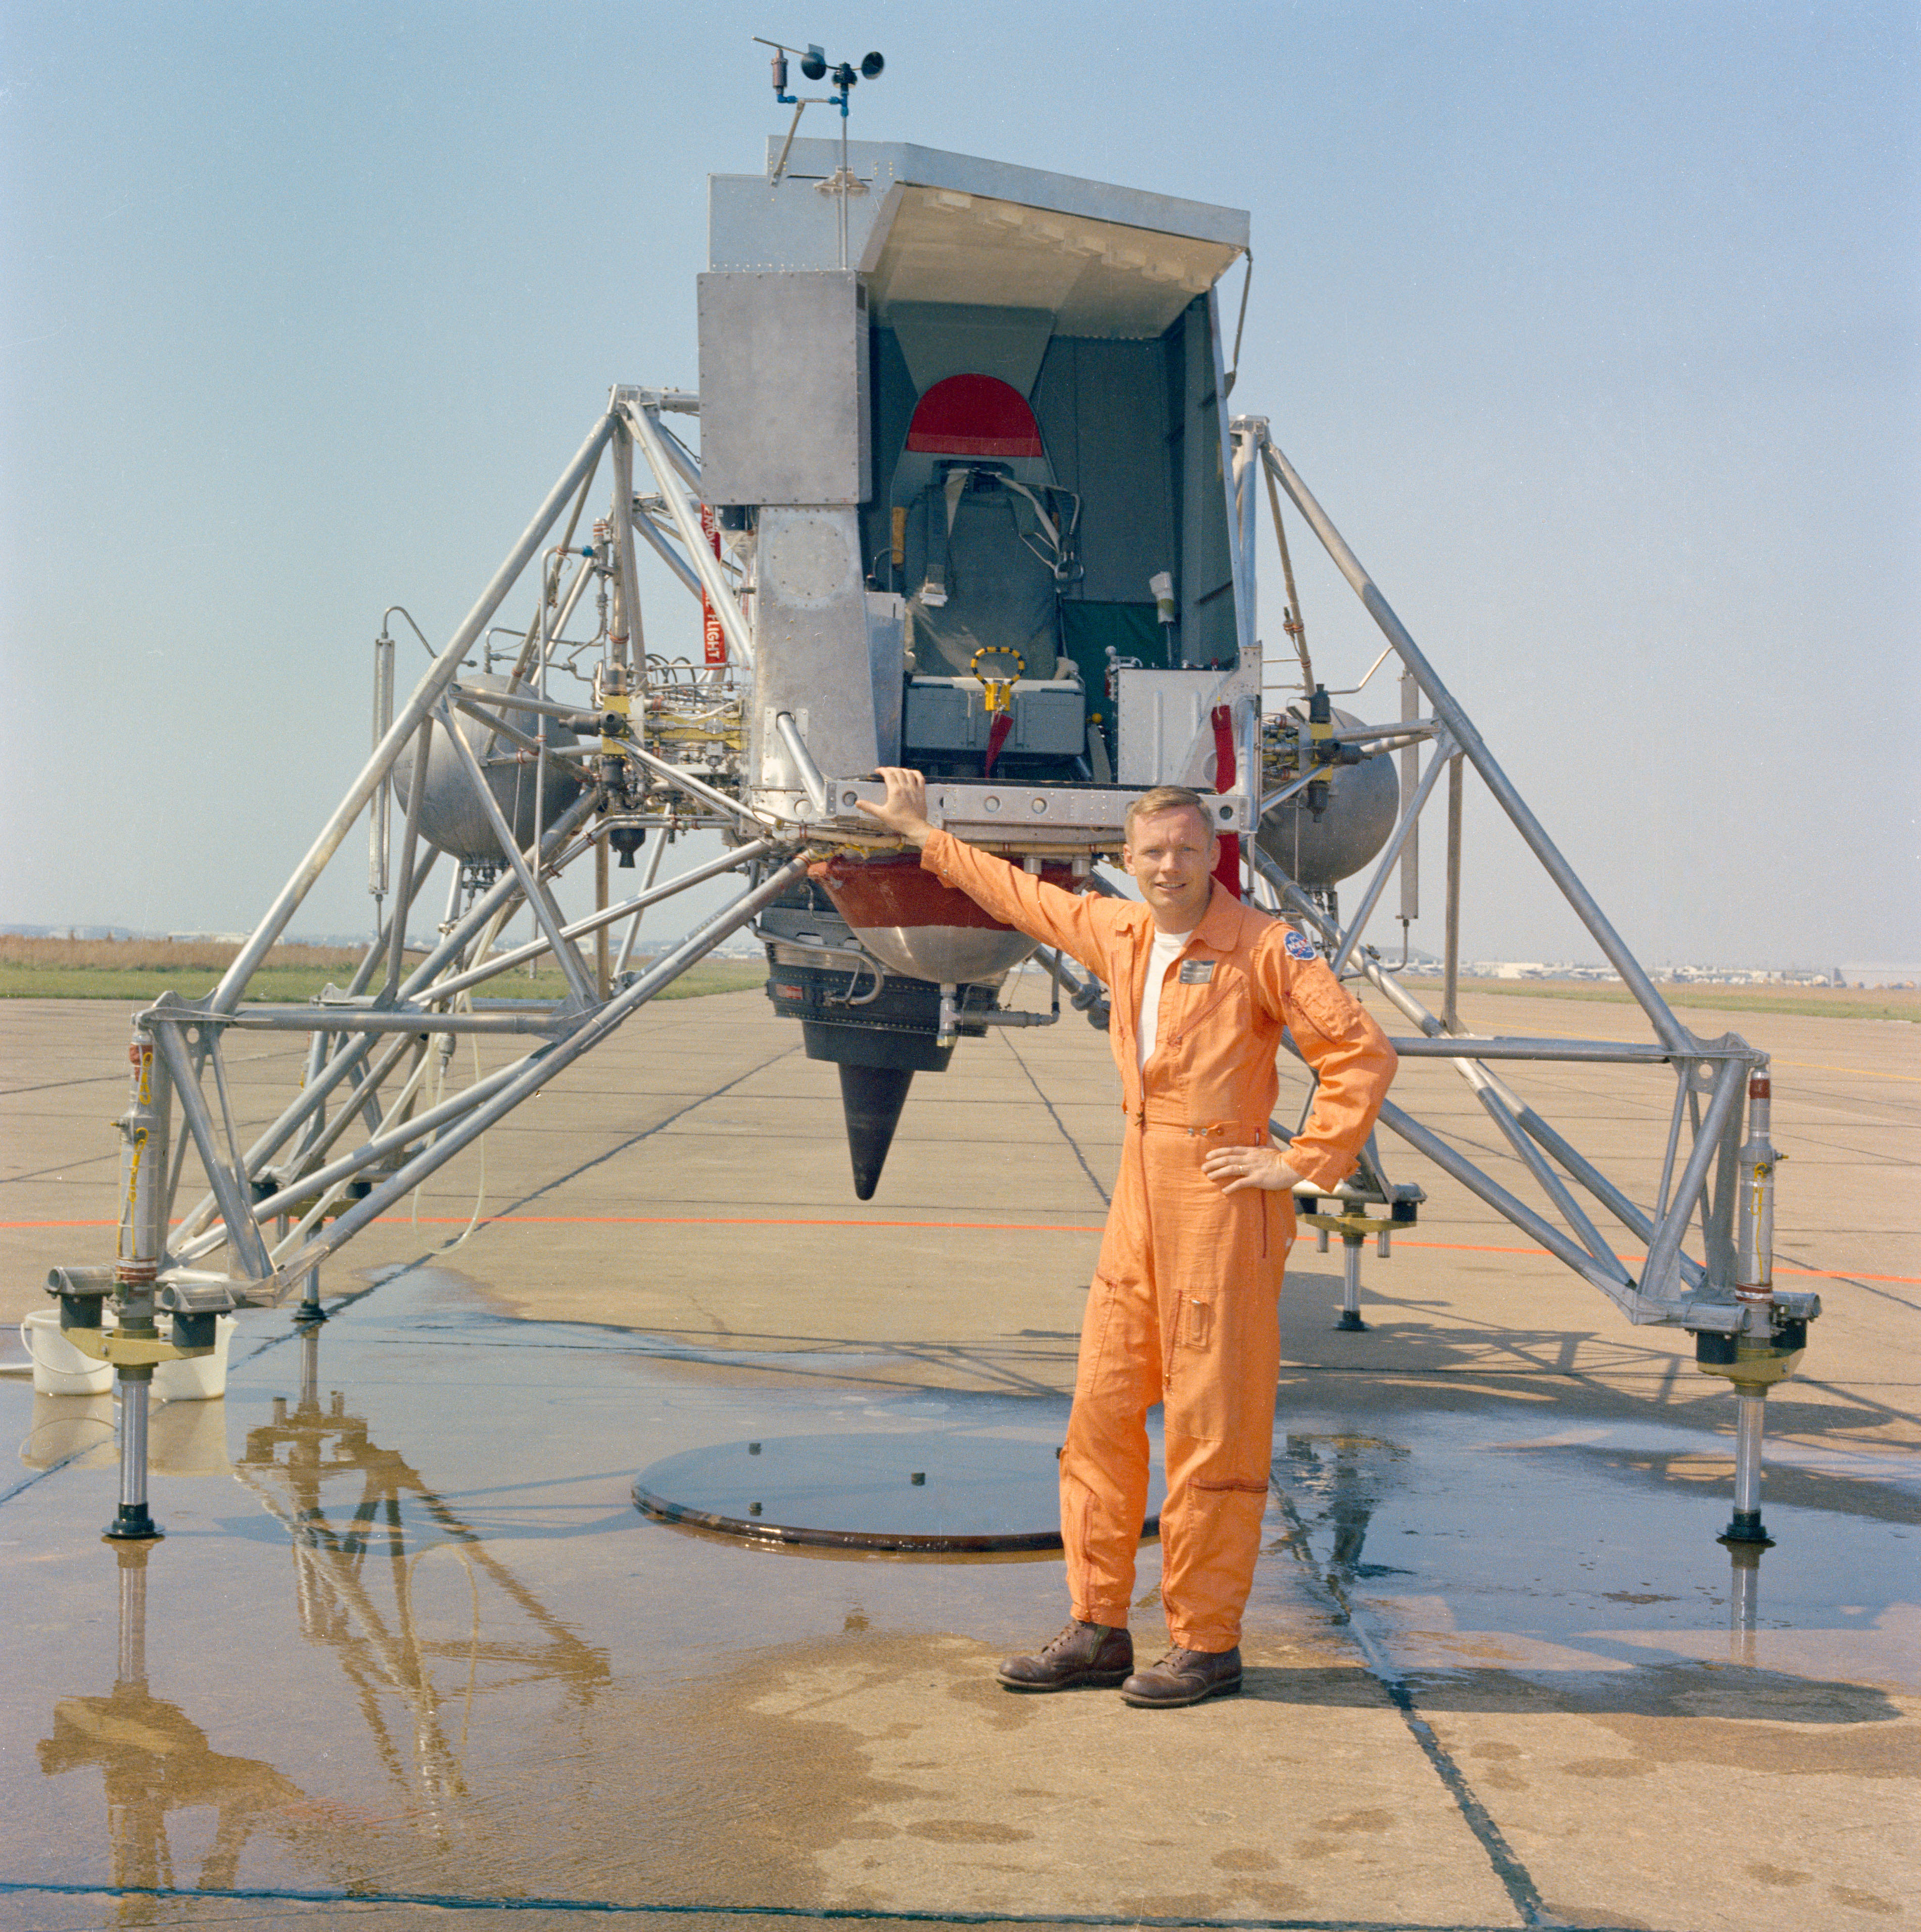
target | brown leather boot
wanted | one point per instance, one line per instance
(1184, 1677)
(1083, 1654)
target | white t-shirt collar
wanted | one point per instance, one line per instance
(1167, 947)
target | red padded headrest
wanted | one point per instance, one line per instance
(974, 415)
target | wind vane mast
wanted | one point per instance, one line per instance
(814, 65)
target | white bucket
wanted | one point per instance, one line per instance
(58, 1367)
(196, 1377)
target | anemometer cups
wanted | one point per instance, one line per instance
(814, 65)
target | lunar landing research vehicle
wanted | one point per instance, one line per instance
(961, 489)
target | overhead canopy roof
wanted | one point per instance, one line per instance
(937, 227)
(1098, 278)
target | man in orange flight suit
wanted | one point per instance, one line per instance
(1183, 1308)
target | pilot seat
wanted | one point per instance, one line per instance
(984, 541)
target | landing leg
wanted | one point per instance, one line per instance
(134, 1521)
(1745, 1524)
(1769, 1341)
(309, 1310)
(145, 1131)
(1350, 1286)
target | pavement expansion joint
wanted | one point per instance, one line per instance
(364, 1897)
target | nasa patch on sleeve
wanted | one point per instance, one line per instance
(1298, 948)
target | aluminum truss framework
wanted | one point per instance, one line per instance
(1708, 1295)
(360, 1135)
(1744, 1329)
(357, 1138)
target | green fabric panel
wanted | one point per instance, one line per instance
(1088, 630)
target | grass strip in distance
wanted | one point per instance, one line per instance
(1826, 1002)
(276, 984)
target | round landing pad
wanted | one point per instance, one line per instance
(930, 1493)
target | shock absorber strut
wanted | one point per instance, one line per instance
(143, 1164)
(1767, 1345)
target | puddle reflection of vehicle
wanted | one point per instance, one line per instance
(1744, 1597)
(344, 1500)
(155, 1760)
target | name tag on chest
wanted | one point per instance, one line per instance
(1196, 972)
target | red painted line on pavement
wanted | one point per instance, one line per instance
(745, 1221)
(59, 1224)
(652, 1221)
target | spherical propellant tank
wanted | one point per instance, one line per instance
(1363, 801)
(452, 817)
(920, 929)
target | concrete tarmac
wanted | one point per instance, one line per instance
(409, 1656)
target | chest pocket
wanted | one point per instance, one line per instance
(1209, 1044)
(1202, 1000)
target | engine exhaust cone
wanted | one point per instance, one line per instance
(872, 1097)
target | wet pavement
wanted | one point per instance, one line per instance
(409, 1655)
(984, 1481)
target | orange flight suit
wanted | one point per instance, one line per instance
(1183, 1307)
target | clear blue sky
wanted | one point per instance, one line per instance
(1594, 327)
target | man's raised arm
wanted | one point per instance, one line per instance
(1077, 924)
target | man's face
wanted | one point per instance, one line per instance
(1172, 855)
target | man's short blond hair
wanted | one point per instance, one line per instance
(1167, 798)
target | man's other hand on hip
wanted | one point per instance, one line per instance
(1231, 1168)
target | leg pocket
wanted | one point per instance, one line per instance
(1199, 1323)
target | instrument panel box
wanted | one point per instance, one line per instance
(950, 714)
(784, 388)
(1161, 714)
